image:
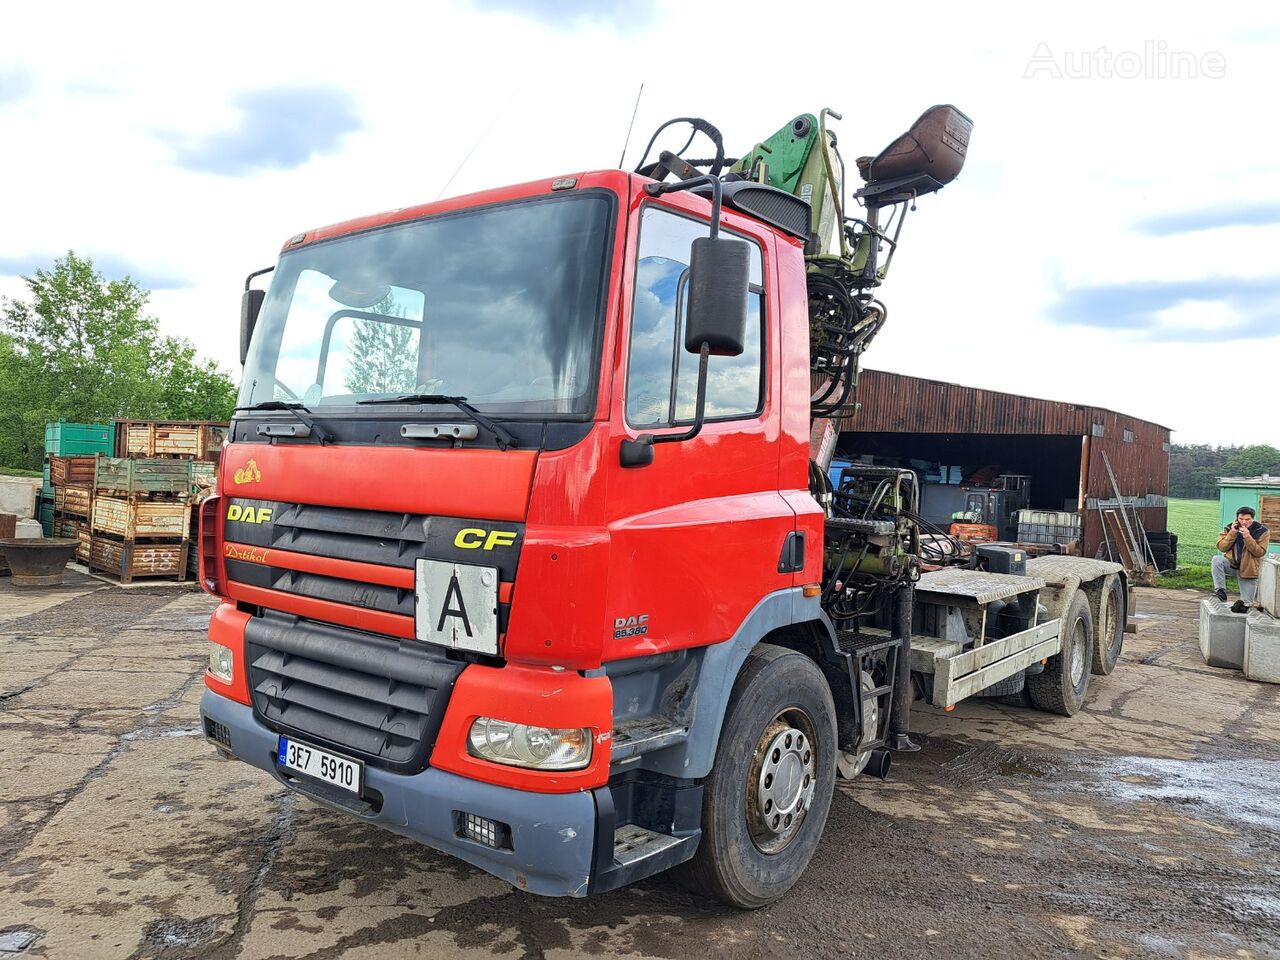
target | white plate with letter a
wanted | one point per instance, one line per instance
(457, 605)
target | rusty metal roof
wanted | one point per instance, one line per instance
(897, 403)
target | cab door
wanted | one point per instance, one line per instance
(697, 535)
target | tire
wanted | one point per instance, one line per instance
(743, 859)
(1065, 681)
(1007, 687)
(1108, 627)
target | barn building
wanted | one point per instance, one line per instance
(1063, 448)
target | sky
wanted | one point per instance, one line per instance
(1111, 241)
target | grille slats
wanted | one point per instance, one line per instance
(375, 698)
(365, 686)
(364, 713)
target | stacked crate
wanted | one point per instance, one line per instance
(195, 444)
(72, 480)
(188, 439)
(141, 517)
(63, 440)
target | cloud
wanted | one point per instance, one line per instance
(1190, 311)
(567, 14)
(279, 130)
(110, 265)
(15, 84)
(1190, 221)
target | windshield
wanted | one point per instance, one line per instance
(501, 305)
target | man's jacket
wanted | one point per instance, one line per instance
(1246, 556)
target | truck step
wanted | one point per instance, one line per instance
(632, 844)
(866, 640)
(631, 738)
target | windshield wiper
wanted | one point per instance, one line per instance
(500, 433)
(299, 410)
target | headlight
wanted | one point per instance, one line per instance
(541, 748)
(220, 662)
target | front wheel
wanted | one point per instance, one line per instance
(765, 803)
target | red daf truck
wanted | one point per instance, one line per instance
(525, 544)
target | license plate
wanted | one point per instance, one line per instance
(320, 765)
(457, 605)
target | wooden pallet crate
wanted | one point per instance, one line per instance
(131, 518)
(197, 440)
(147, 476)
(69, 527)
(73, 500)
(84, 547)
(65, 471)
(127, 559)
(204, 475)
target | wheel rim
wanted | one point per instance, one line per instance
(781, 781)
(1079, 644)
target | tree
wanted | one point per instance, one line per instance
(383, 356)
(1253, 461)
(83, 348)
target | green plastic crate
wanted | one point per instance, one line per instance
(46, 517)
(63, 439)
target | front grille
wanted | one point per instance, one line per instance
(367, 536)
(373, 698)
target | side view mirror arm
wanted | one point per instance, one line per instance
(250, 305)
(639, 452)
(657, 189)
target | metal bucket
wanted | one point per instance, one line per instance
(38, 563)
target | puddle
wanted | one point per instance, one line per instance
(146, 733)
(179, 932)
(15, 941)
(1241, 790)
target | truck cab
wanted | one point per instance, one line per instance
(504, 643)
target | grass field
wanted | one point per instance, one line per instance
(1196, 524)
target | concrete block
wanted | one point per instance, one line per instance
(18, 495)
(1221, 634)
(1269, 584)
(28, 530)
(1262, 647)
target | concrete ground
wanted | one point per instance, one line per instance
(1147, 826)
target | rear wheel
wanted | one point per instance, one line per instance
(1065, 680)
(1108, 629)
(766, 802)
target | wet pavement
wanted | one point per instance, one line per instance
(1148, 825)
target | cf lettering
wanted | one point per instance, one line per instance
(474, 538)
(469, 538)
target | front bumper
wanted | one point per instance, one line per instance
(552, 835)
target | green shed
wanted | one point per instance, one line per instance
(1262, 493)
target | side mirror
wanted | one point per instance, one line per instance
(715, 325)
(250, 306)
(719, 284)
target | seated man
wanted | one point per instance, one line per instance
(1243, 545)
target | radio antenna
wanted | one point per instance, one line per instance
(474, 147)
(627, 142)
